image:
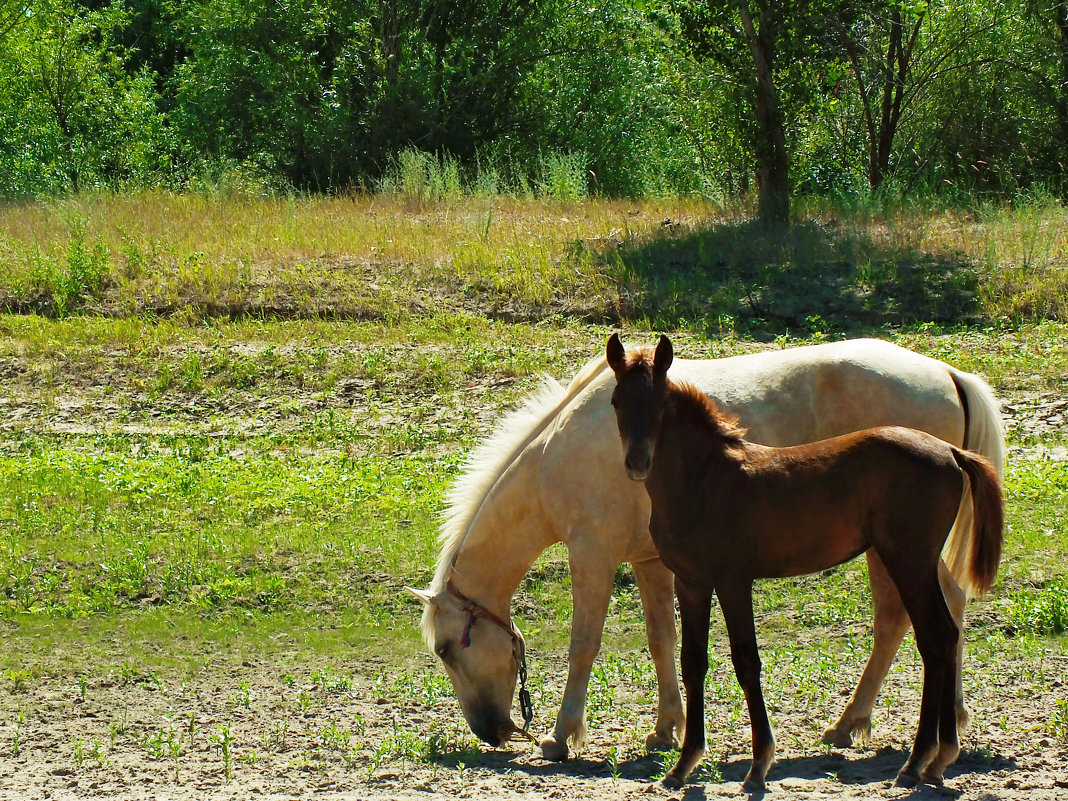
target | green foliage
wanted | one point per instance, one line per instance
(73, 115)
(1041, 611)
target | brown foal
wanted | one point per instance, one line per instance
(726, 511)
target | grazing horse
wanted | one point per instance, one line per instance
(551, 472)
(726, 511)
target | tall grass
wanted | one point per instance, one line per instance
(432, 239)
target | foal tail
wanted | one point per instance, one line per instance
(988, 522)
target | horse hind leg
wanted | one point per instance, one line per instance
(891, 624)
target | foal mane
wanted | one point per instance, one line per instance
(487, 465)
(695, 407)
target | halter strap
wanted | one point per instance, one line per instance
(475, 611)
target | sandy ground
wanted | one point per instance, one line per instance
(250, 730)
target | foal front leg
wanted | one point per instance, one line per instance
(695, 608)
(736, 601)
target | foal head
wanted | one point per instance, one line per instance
(641, 386)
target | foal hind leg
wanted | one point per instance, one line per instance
(656, 586)
(891, 624)
(956, 600)
(936, 744)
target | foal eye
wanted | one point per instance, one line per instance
(442, 651)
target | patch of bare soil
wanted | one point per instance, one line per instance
(248, 730)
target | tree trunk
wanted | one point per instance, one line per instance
(773, 162)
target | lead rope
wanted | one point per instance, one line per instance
(526, 706)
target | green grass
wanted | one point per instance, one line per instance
(245, 413)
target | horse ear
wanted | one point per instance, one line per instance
(423, 595)
(617, 356)
(663, 356)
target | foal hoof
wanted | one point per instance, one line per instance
(753, 784)
(553, 750)
(670, 782)
(934, 778)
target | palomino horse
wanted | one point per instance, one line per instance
(552, 470)
(726, 511)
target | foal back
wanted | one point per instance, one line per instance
(772, 512)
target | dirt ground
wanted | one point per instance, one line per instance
(250, 730)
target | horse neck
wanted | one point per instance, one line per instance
(503, 541)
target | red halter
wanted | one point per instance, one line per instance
(475, 611)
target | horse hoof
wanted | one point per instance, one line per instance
(553, 750)
(660, 742)
(906, 779)
(843, 735)
(964, 718)
(839, 739)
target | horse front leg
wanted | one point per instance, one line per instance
(592, 578)
(656, 586)
(695, 608)
(736, 601)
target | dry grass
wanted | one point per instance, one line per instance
(387, 257)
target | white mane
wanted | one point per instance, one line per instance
(488, 463)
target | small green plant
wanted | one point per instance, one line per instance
(613, 762)
(242, 696)
(1058, 721)
(221, 739)
(83, 686)
(19, 679)
(16, 734)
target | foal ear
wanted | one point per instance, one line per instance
(663, 356)
(423, 595)
(617, 356)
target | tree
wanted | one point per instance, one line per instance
(69, 105)
(766, 48)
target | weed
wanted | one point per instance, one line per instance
(16, 734)
(19, 679)
(1058, 721)
(242, 696)
(221, 740)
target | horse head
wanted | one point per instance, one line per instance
(641, 385)
(481, 654)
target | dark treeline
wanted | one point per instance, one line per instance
(648, 97)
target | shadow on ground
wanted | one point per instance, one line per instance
(853, 768)
(808, 278)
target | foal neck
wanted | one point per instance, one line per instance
(687, 407)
